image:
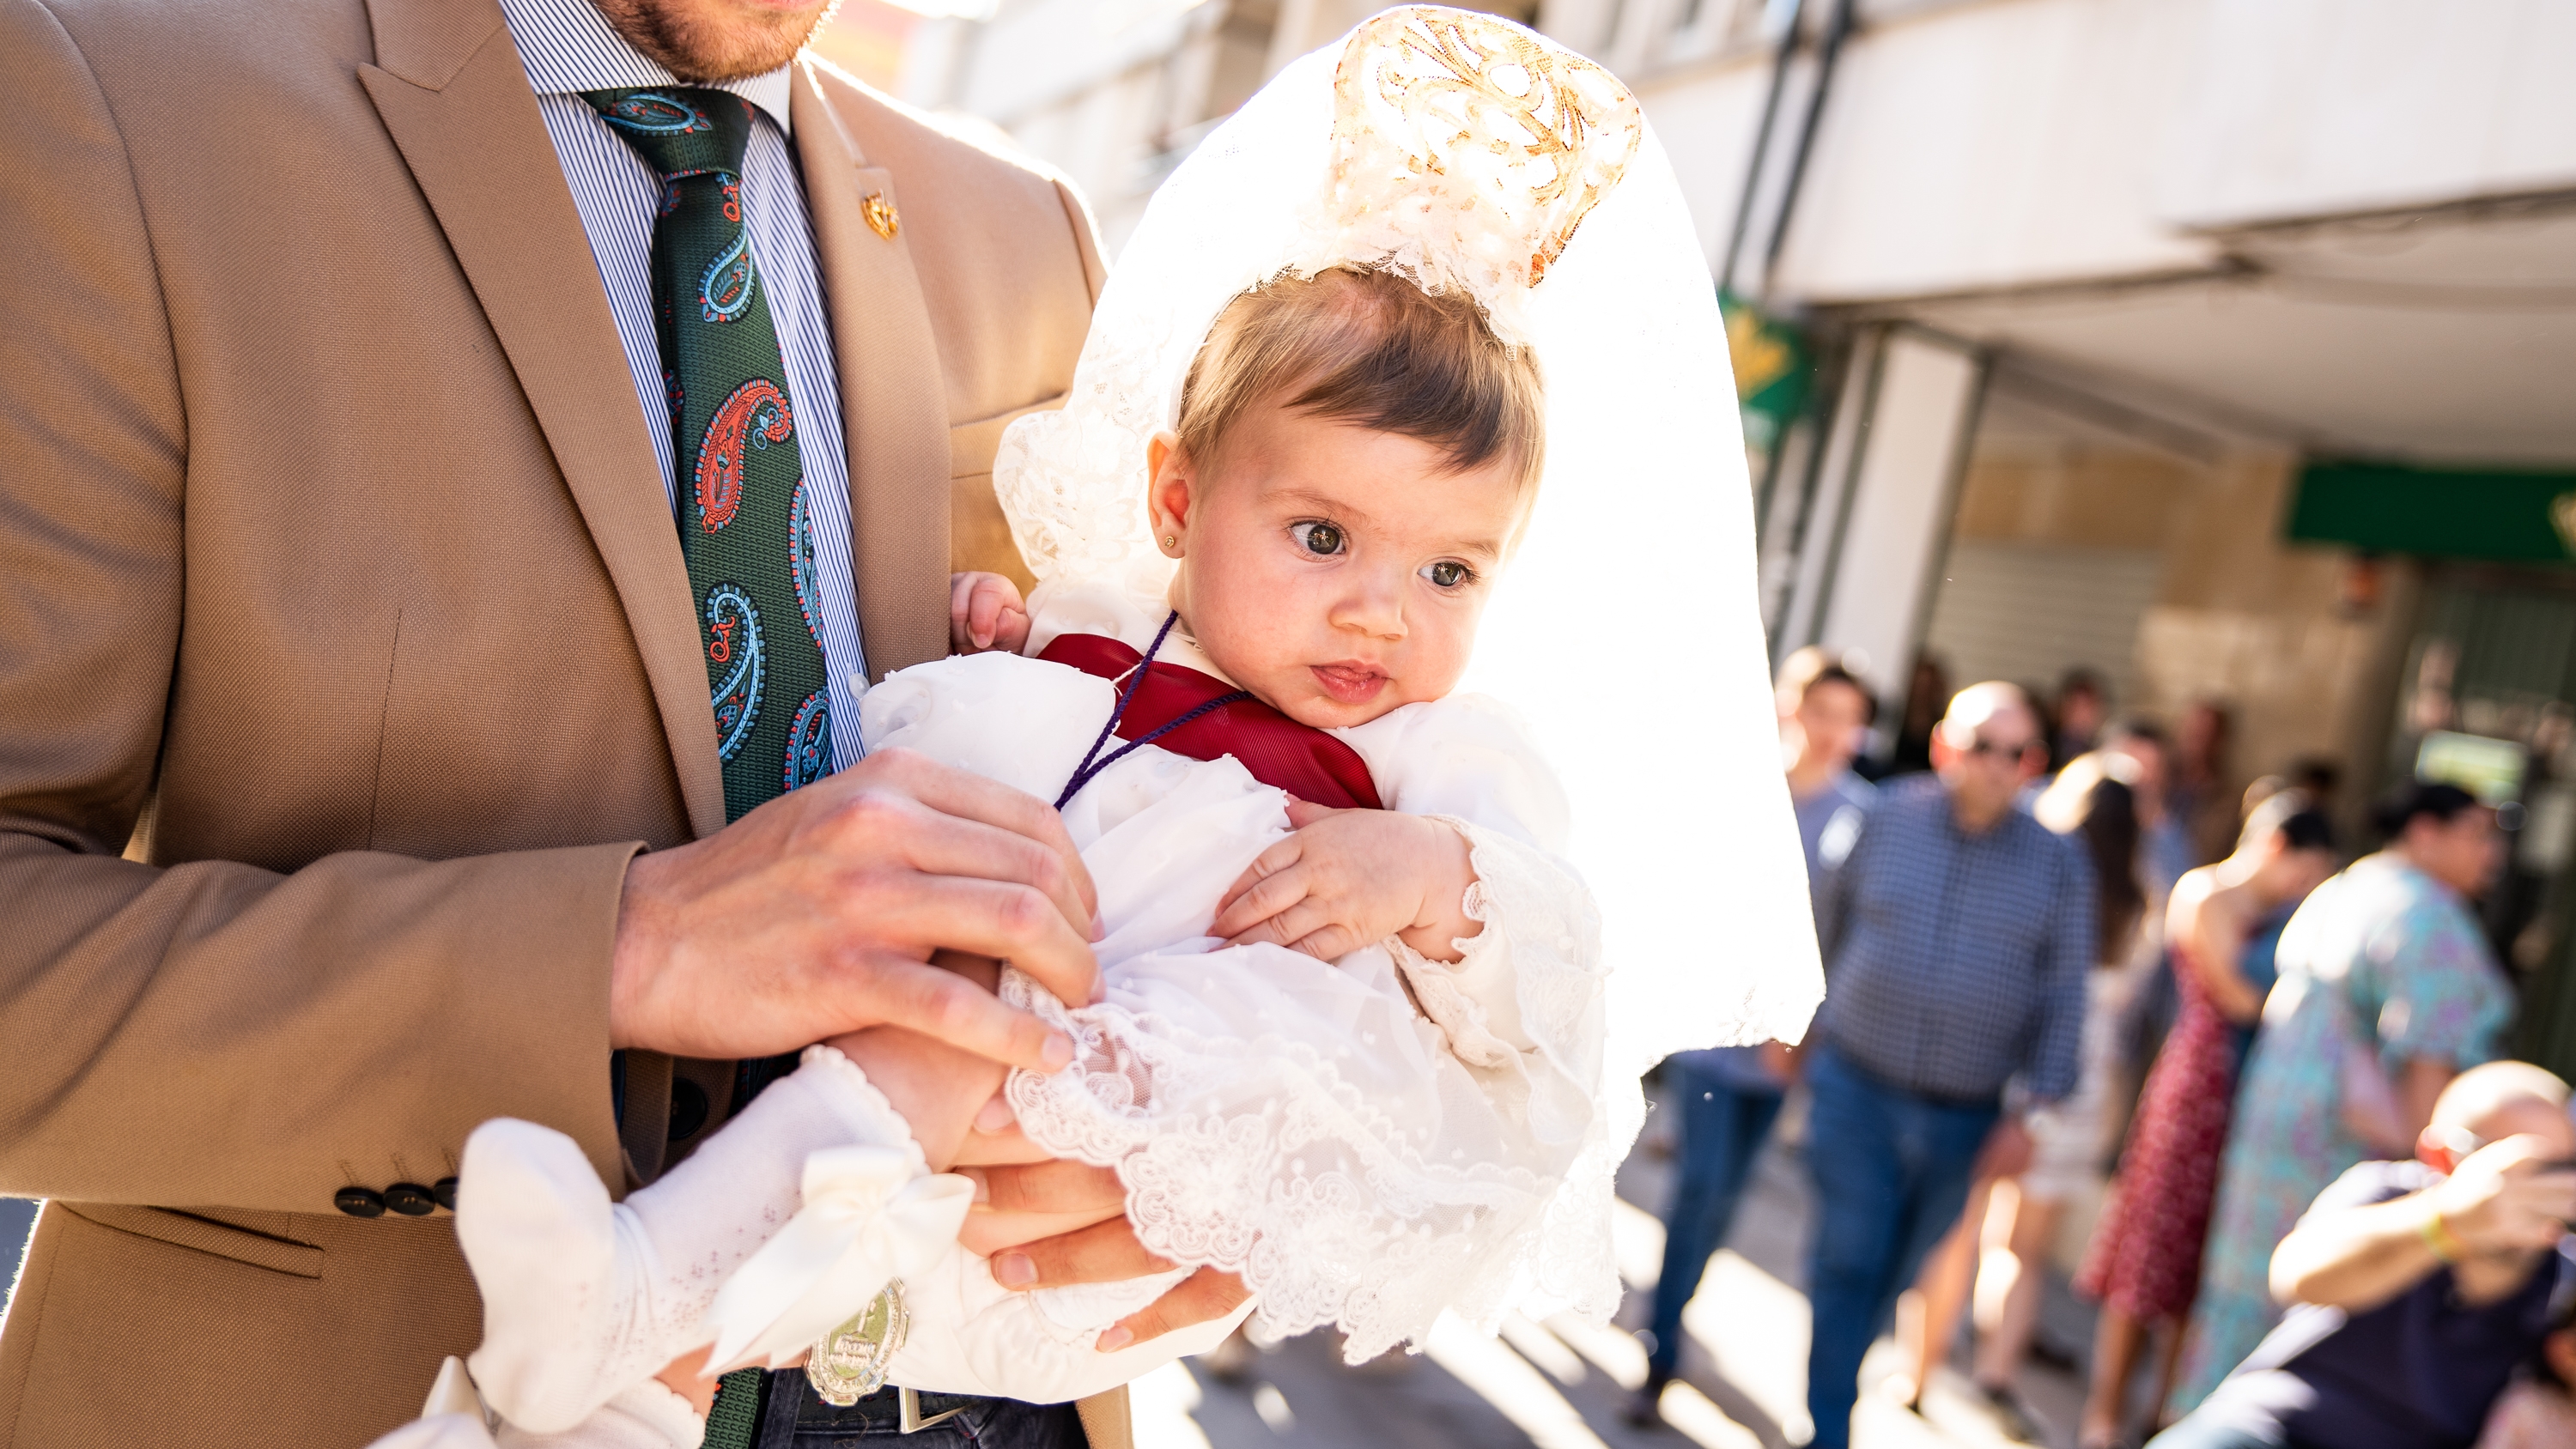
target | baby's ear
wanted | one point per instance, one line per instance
(1167, 495)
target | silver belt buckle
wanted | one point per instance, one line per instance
(913, 1423)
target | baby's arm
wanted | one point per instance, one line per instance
(1352, 878)
(1526, 985)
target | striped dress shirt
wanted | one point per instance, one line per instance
(568, 47)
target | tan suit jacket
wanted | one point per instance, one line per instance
(346, 659)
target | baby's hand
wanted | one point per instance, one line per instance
(1352, 878)
(985, 612)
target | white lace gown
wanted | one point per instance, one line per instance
(1368, 1141)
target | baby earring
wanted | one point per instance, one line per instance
(1170, 542)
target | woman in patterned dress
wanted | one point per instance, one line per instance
(2144, 1260)
(2388, 989)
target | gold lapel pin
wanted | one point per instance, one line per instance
(880, 215)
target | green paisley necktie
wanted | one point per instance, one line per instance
(746, 526)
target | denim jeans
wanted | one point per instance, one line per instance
(1723, 1127)
(1891, 1171)
(796, 1419)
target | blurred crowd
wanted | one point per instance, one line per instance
(2061, 949)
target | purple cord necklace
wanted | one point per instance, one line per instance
(1088, 770)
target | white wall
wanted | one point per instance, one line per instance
(2303, 108)
(1995, 145)
(1973, 147)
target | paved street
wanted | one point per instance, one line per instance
(1559, 1385)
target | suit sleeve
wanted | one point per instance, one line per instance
(210, 1034)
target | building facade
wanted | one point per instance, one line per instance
(2219, 348)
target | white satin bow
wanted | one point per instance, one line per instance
(866, 1221)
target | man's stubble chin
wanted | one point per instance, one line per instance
(714, 40)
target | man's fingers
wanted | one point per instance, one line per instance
(947, 1007)
(952, 791)
(1010, 923)
(1047, 1187)
(1203, 1296)
(1102, 1253)
(873, 824)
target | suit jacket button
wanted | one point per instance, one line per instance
(445, 1191)
(688, 1109)
(410, 1199)
(359, 1202)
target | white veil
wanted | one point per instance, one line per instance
(1474, 153)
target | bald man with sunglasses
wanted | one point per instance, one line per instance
(1956, 937)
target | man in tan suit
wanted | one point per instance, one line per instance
(358, 775)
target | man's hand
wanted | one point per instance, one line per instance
(1105, 1252)
(2507, 1197)
(2501, 1209)
(1352, 878)
(985, 612)
(817, 914)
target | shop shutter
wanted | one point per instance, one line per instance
(2028, 612)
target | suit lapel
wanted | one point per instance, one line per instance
(451, 91)
(894, 412)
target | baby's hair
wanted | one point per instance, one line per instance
(1369, 347)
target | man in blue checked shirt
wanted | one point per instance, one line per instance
(1956, 937)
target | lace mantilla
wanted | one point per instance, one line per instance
(1455, 146)
(1466, 150)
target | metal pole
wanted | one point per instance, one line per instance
(1780, 58)
(1837, 31)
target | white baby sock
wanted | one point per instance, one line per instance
(583, 1298)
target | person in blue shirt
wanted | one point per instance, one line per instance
(2418, 1288)
(1957, 936)
(1728, 1096)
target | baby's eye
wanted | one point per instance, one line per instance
(1448, 573)
(1317, 537)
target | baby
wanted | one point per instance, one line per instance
(1349, 1040)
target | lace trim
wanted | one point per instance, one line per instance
(1316, 1198)
(1536, 965)
(872, 1119)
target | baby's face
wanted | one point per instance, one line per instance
(1335, 572)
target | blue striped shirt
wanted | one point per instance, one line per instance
(568, 47)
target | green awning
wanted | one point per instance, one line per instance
(2518, 517)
